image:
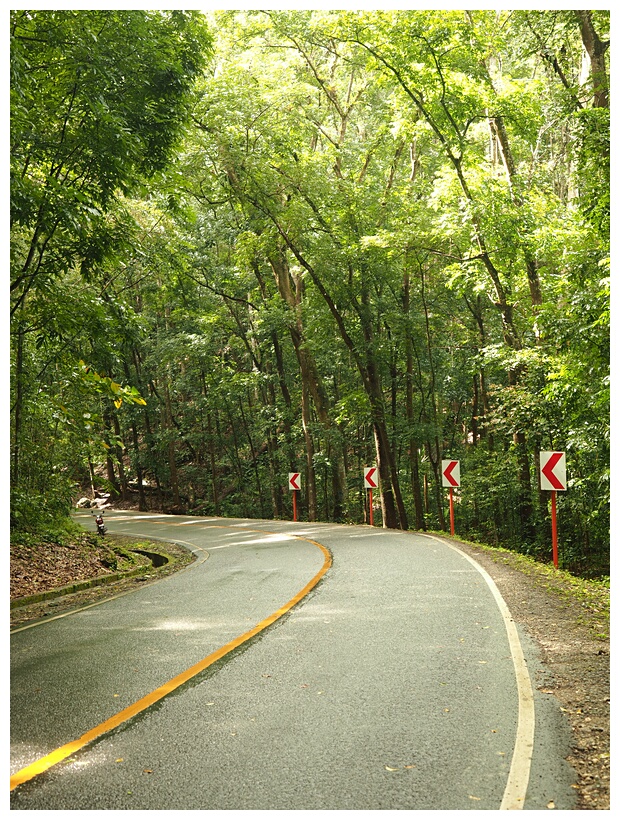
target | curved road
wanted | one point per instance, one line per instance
(291, 666)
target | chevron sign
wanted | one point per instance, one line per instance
(450, 473)
(552, 471)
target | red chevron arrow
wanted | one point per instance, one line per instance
(448, 473)
(369, 479)
(547, 471)
(293, 481)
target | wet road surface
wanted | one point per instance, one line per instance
(391, 684)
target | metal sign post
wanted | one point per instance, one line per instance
(370, 482)
(553, 477)
(451, 477)
(294, 486)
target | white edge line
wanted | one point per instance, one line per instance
(519, 775)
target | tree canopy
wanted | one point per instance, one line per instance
(314, 241)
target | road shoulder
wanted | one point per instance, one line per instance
(576, 662)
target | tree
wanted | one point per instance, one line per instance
(384, 239)
(98, 100)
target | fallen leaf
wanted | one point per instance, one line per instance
(117, 696)
(119, 760)
(551, 804)
(390, 769)
(471, 797)
(410, 767)
(147, 771)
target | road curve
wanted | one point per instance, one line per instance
(399, 682)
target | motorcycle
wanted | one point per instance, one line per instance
(101, 530)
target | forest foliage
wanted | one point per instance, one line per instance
(313, 241)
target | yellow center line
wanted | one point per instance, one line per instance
(63, 752)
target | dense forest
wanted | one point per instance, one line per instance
(313, 241)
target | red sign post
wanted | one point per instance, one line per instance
(371, 482)
(553, 477)
(451, 477)
(294, 486)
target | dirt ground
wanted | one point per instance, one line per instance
(573, 638)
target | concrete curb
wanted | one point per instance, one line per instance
(89, 583)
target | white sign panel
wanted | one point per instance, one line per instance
(451, 473)
(552, 471)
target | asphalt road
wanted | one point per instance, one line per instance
(304, 666)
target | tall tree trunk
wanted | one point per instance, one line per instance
(531, 266)
(135, 439)
(122, 476)
(91, 474)
(596, 49)
(414, 461)
(213, 463)
(248, 433)
(434, 456)
(172, 459)
(142, 505)
(291, 289)
(309, 447)
(109, 449)
(475, 410)
(19, 401)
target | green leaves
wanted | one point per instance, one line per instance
(106, 386)
(378, 225)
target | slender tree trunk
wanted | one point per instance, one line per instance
(142, 504)
(392, 505)
(309, 448)
(475, 410)
(91, 474)
(109, 461)
(172, 459)
(414, 461)
(433, 452)
(212, 460)
(259, 488)
(122, 477)
(19, 400)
